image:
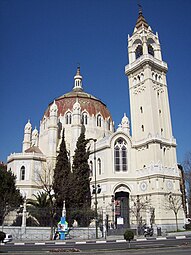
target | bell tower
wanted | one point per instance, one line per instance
(154, 147)
(150, 111)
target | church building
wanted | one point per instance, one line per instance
(129, 165)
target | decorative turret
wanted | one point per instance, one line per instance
(76, 124)
(35, 137)
(76, 107)
(125, 124)
(53, 130)
(27, 136)
(76, 114)
(78, 81)
(53, 110)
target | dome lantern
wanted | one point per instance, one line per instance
(78, 81)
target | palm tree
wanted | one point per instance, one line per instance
(40, 208)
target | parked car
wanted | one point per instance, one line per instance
(8, 238)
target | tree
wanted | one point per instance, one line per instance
(183, 189)
(139, 205)
(128, 236)
(40, 208)
(44, 179)
(10, 197)
(62, 185)
(187, 170)
(81, 180)
(173, 202)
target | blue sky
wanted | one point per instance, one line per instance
(42, 42)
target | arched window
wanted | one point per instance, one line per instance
(150, 50)
(120, 155)
(124, 158)
(142, 128)
(99, 165)
(68, 118)
(22, 173)
(117, 158)
(84, 118)
(141, 109)
(99, 120)
(139, 51)
(91, 168)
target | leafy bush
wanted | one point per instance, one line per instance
(128, 235)
(83, 216)
(2, 236)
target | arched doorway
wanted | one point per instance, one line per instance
(122, 209)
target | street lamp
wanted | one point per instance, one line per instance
(52, 211)
(96, 188)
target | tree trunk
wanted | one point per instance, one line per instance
(51, 225)
(176, 222)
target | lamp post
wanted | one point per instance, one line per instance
(96, 189)
(24, 214)
(52, 212)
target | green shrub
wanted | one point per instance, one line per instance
(128, 235)
(188, 226)
(2, 236)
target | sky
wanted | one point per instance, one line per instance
(43, 41)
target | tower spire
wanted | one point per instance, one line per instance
(140, 9)
(141, 22)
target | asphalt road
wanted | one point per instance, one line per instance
(155, 247)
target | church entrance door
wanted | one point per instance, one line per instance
(122, 209)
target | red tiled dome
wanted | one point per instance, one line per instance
(87, 102)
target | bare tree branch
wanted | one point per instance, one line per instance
(173, 202)
(139, 205)
(43, 178)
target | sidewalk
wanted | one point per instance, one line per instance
(112, 238)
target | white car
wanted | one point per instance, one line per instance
(8, 238)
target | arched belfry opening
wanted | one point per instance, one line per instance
(121, 218)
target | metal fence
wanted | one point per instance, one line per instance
(45, 217)
(31, 216)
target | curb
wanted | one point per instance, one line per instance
(97, 241)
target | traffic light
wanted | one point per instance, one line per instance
(93, 189)
(96, 190)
